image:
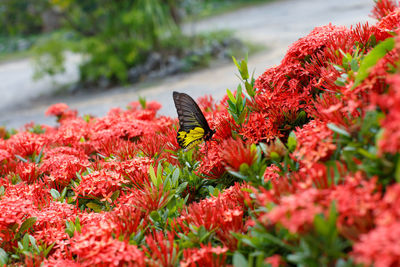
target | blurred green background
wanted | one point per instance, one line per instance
(120, 41)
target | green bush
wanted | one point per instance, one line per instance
(19, 17)
(111, 35)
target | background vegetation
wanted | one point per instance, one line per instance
(118, 40)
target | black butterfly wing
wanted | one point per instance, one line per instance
(189, 113)
(193, 126)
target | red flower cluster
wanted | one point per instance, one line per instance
(314, 143)
(311, 163)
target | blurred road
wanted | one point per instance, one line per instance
(276, 25)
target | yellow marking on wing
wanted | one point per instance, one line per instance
(193, 144)
(193, 137)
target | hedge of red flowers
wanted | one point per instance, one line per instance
(304, 169)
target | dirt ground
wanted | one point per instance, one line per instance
(275, 25)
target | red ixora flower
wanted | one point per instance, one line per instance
(206, 255)
(390, 141)
(388, 211)
(222, 214)
(57, 109)
(27, 171)
(275, 261)
(61, 111)
(162, 250)
(26, 144)
(296, 212)
(61, 168)
(211, 164)
(235, 153)
(259, 128)
(382, 8)
(99, 184)
(207, 103)
(128, 220)
(379, 247)
(14, 211)
(315, 143)
(134, 171)
(95, 246)
(146, 199)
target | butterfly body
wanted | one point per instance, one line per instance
(193, 126)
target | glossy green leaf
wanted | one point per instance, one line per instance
(239, 260)
(3, 257)
(338, 130)
(153, 175)
(230, 96)
(292, 142)
(370, 60)
(93, 206)
(28, 223)
(54, 193)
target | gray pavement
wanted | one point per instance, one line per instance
(275, 25)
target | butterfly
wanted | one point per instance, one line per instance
(193, 126)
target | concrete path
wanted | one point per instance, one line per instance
(275, 25)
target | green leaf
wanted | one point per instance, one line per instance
(115, 195)
(380, 135)
(397, 171)
(159, 174)
(274, 156)
(244, 167)
(21, 158)
(69, 228)
(340, 82)
(238, 175)
(63, 193)
(263, 147)
(2, 190)
(47, 250)
(181, 187)
(33, 243)
(321, 227)
(239, 260)
(292, 141)
(155, 216)
(354, 65)
(338, 68)
(142, 101)
(338, 130)
(367, 154)
(28, 223)
(333, 214)
(231, 97)
(239, 95)
(244, 72)
(3, 257)
(25, 242)
(372, 40)
(54, 193)
(93, 206)
(39, 156)
(249, 89)
(242, 67)
(77, 224)
(153, 175)
(370, 60)
(175, 175)
(86, 118)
